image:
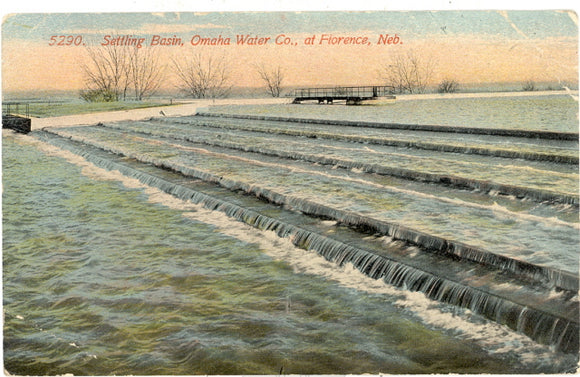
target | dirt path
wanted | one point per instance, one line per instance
(188, 108)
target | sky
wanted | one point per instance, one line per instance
(473, 46)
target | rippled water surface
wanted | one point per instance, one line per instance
(103, 274)
(547, 113)
(100, 280)
(537, 240)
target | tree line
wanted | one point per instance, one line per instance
(119, 73)
(116, 73)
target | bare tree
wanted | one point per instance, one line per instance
(145, 72)
(202, 76)
(107, 72)
(272, 78)
(409, 72)
(114, 72)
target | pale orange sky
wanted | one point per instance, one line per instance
(466, 58)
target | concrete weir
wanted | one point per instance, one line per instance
(546, 135)
(509, 296)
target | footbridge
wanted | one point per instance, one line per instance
(353, 95)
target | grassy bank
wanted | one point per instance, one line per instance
(47, 110)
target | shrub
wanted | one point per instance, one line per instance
(529, 86)
(448, 86)
(98, 95)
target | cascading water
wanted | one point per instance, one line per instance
(456, 181)
(413, 127)
(557, 277)
(219, 244)
(406, 142)
(534, 318)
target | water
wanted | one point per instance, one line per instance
(537, 239)
(104, 274)
(547, 113)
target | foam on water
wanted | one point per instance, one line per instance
(300, 199)
(424, 173)
(494, 207)
(419, 158)
(495, 338)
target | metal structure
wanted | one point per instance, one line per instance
(16, 116)
(350, 94)
(16, 109)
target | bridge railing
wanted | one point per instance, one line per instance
(345, 91)
(16, 108)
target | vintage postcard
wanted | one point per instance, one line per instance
(284, 192)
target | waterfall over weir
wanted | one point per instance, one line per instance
(444, 179)
(547, 135)
(497, 151)
(422, 145)
(552, 276)
(527, 306)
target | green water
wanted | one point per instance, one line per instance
(536, 240)
(101, 279)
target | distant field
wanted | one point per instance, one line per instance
(47, 110)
